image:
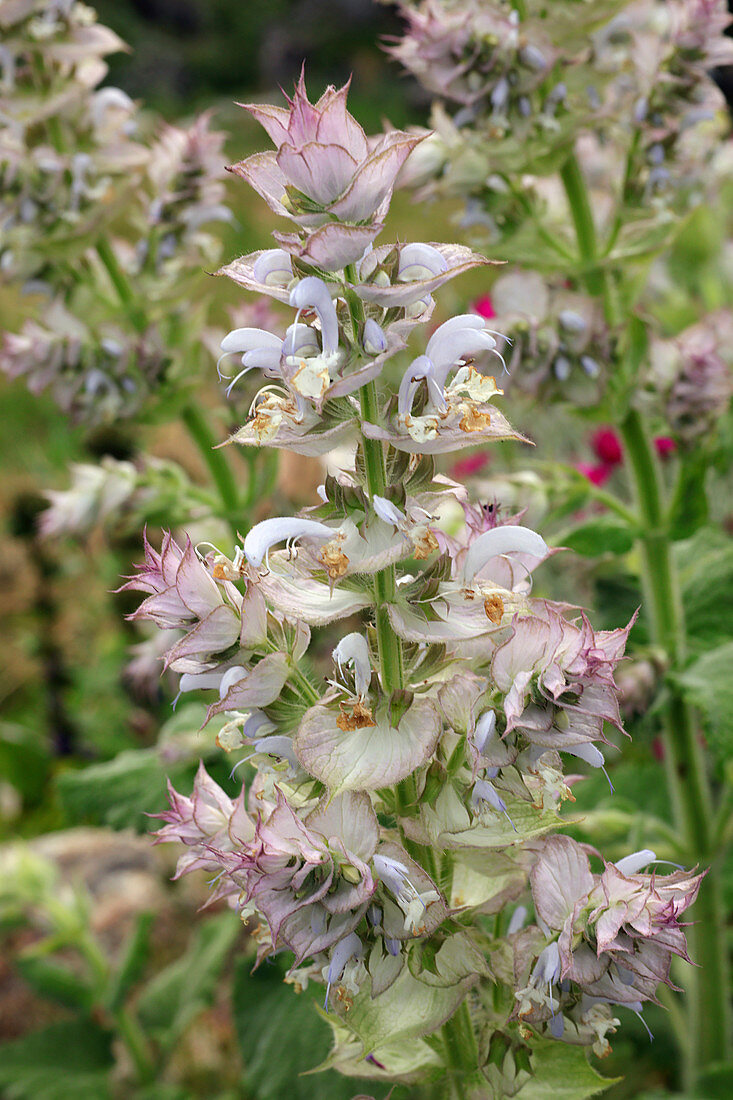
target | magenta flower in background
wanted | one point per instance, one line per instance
(607, 446)
(466, 467)
(484, 307)
(664, 446)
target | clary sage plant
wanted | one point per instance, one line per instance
(580, 138)
(399, 835)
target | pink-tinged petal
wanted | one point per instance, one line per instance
(264, 175)
(321, 172)
(304, 115)
(559, 879)
(242, 272)
(375, 179)
(257, 688)
(526, 649)
(297, 933)
(165, 609)
(353, 381)
(369, 757)
(458, 260)
(273, 119)
(336, 126)
(459, 700)
(214, 634)
(584, 966)
(331, 247)
(212, 808)
(349, 817)
(197, 588)
(254, 619)
(456, 624)
(241, 826)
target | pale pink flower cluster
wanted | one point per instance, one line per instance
(601, 939)
(72, 165)
(407, 787)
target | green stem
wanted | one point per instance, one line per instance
(460, 1049)
(596, 278)
(219, 468)
(121, 284)
(628, 176)
(542, 232)
(136, 1044)
(691, 796)
(391, 665)
(689, 787)
(385, 581)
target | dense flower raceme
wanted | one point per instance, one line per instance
(53, 191)
(409, 786)
(602, 939)
(71, 162)
(528, 86)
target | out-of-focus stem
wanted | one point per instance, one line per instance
(136, 1045)
(689, 787)
(218, 467)
(191, 416)
(121, 284)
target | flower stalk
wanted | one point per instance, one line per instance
(688, 785)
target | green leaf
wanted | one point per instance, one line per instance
(281, 1036)
(56, 982)
(708, 684)
(24, 760)
(690, 510)
(66, 1061)
(705, 563)
(604, 535)
(133, 963)
(185, 988)
(716, 1081)
(407, 1063)
(562, 1072)
(120, 792)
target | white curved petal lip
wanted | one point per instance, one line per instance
(502, 540)
(269, 532)
(353, 649)
(249, 339)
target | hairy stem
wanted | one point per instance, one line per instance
(461, 1051)
(385, 581)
